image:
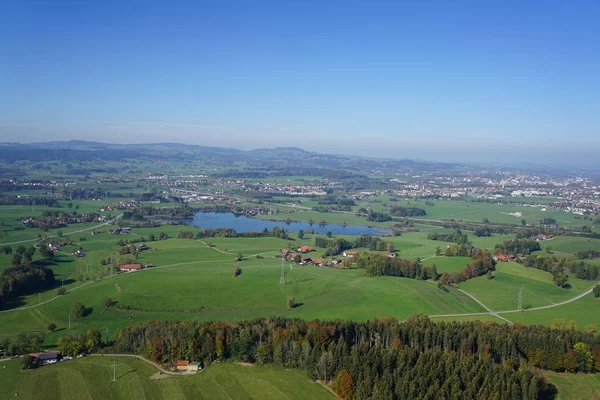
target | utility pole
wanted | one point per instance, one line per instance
(69, 321)
(520, 299)
(114, 365)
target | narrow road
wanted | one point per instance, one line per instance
(155, 365)
(489, 310)
(579, 296)
(496, 313)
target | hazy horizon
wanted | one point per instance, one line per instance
(503, 82)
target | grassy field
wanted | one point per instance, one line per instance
(91, 378)
(575, 386)
(583, 311)
(501, 292)
(205, 289)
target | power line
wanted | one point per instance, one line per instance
(520, 299)
(282, 274)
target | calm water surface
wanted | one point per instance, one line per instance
(241, 223)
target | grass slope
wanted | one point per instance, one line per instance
(92, 378)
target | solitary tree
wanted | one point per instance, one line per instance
(77, 309)
(291, 302)
(300, 234)
(597, 291)
(52, 327)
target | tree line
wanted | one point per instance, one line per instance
(517, 246)
(138, 214)
(399, 211)
(455, 237)
(232, 233)
(381, 359)
(336, 246)
(580, 269)
(381, 265)
(481, 263)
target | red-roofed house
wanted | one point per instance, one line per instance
(182, 365)
(130, 267)
(350, 253)
(305, 249)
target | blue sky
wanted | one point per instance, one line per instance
(459, 80)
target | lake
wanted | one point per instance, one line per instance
(242, 223)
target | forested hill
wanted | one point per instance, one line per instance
(382, 359)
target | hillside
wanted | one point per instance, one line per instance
(91, 378)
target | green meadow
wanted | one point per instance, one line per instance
(92, 378)
(501, 292)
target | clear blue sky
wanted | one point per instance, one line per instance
(470, 80)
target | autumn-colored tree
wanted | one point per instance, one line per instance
(342, 384)
(584, 357)
(596, 355)
(570, 362)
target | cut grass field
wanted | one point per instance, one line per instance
(91, 378)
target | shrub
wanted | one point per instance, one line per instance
(291, 302)
(28, 362)
(61, 291)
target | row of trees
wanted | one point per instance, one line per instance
(455, 237)
(554, 265)
(337, 246)
(481, 263)
(399, 211)
(381, 265)
(383, 358)
(587, 254)
(138, 214)
(232, 233)
(517, 246)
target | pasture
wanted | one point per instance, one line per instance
(92, 378)
(501, 292)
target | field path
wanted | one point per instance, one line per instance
(155, 365)
(489, 310)
(496, 313)
(579, 296)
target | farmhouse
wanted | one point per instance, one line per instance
(130, 267)
(305, 260)
(305, 249)
(194, 366)
(503, 257)
(320, 263)
(182, 365)
(44, 358)
(350, 253)
(285, 253)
